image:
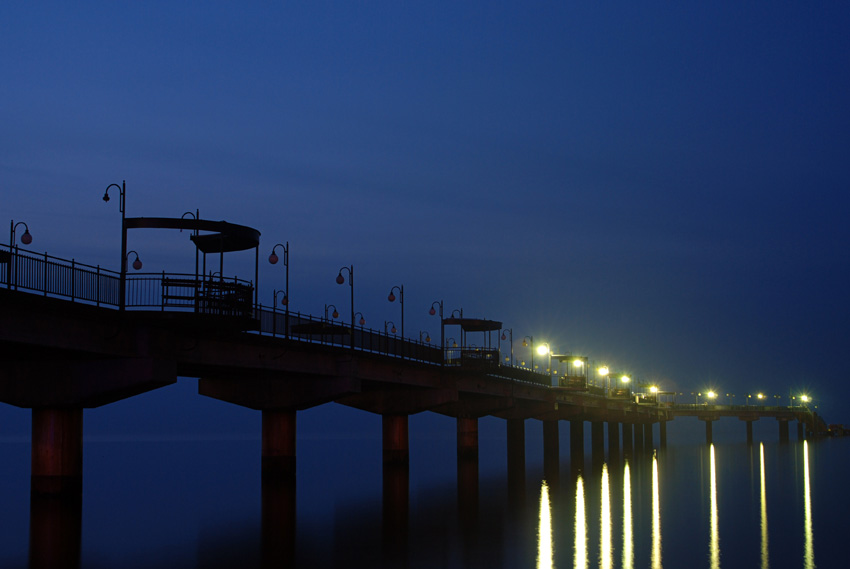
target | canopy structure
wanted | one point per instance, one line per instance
(474, 325)
(223, 237)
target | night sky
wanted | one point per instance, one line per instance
(662, 187)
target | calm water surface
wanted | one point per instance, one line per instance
(200, 503)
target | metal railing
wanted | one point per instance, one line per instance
(78, 282)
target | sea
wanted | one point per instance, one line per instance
(199, 501)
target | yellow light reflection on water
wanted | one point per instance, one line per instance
(544, 532)
(580, 527)
(628, 535)
(714, 544)
(605, 552)
(656, 517)
(765, 559)
(808, 548)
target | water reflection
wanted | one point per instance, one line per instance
(605, 552)
(628, 534)
(714, 544)
(808, 548)
(656, 516)
(580, 527)
(544, 532)
(764, 550)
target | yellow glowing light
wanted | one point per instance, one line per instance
(711, 394)
(544, 532)
(542, 349)
(761, 395)
(625, 379)
(805, 398)
(603, 371)
(578, 363)
(653, 389)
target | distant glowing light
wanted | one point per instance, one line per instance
(653, 389)
(542, 349)
(625, 379)
(603, 371)
(711, 394)
(578, 363)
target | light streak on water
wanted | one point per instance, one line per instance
(714, 544)
(628, 535)
(544, 533)
(808, 548)
(580, 527)
(656, 517)
(605, 552)
(765, 559)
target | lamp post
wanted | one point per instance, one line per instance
(432, 312)
(341, 280)
(526, 342)
(334, 314)
(427, 336)
(544, 349)
(508, 333)
(604, 372)
(392, 330)
(26, 239)
(391, 298)
(122, 281)
(273, 259)
(137, 263)
(362, 320)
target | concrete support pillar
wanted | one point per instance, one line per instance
(516, 457)
(662, 434)
(801, 435)
(783, 431)
(750, 433)
(467, 467)
(708, 434)
(613, 440)
(396, 441)
(57, 451)
(467, 438)
(278, 443)
(55, 530)
(628, 439)
(639, 442)
(577, 445)
(597, 443)
(551, 451)
(647, 436)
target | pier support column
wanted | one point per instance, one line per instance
(577, 445)
(750, 433)
(467, 467)
(783, 430)
(628, 439)
(278, 443)
(396, 442)
(467, 438)
(662, 434)
(647, 436)
(639, 442)
(57, 451)
(551, 452)
(516, 457)
(800, 432)
(708, 431)
(597, 444)
(613, 440)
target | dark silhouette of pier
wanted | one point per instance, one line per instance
(74, 336)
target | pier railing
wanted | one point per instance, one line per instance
(51, 276)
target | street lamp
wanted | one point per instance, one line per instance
(392, 330)
(509, 333)
(137, 264)
(340, 280)
(26, 239)
(452, 342)
(334, 314)
(603, 371)
(273, 259)
(391, 298)
(432, 311)
(122, 282)
(526, 344)
(711, 395)
(362, 320)
(544, 349)
(285, 302)
(427, 336)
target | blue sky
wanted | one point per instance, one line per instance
(661, 187)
